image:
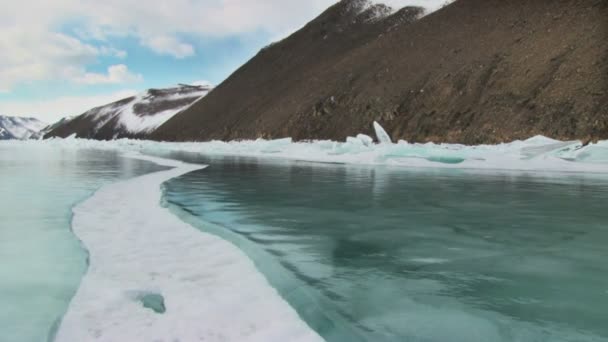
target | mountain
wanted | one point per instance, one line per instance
(14, 127)
(132, 117)
(40, 134)
(475, 71)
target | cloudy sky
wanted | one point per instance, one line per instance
(61, 57)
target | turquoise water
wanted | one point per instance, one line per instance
(381, 254)
(362, 253)
(42, 262)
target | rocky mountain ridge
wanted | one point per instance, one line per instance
(475, 71)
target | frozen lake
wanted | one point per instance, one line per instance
(42, 261)
(387, 254)
(428, 243)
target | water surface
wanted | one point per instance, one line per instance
(390, 254)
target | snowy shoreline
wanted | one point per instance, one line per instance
(205, 288)
(537, 154)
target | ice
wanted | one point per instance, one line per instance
(153, 277)
(538, 154)
(137, 284)
(42, 261)
(366, 140)
(381, 134)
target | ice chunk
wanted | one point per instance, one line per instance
(535, 154)
(366, 140)
(381, 134)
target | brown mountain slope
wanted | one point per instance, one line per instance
(477, 71)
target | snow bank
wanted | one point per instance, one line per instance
(154, 278)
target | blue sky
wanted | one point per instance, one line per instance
(62, 57)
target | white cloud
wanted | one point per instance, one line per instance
(110, 51)
(168, 45)
(117, 74)
(55, 109)
(33, 49)
(40, 55)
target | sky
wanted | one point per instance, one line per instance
(62, 57)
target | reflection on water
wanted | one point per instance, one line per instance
(41, 261)
(389, 254)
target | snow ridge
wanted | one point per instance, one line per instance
(199, 287)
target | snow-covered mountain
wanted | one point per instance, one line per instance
(132, 117)
(13, 127)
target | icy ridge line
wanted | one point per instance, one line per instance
(208, 289)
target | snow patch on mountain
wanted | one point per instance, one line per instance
(144, 112)
(134, 123)
(12, 127)
(429, 6)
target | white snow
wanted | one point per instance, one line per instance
(429, 6)
(20, 127)
(211, 290)
(133, 123)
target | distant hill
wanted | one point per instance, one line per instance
(14, 127)
(475, 71)
(133, 117)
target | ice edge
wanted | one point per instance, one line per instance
(211, 290)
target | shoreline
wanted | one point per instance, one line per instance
(537, 154)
